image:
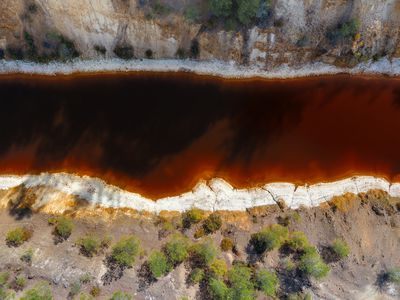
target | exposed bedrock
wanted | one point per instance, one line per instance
(292, 32)
(214, 195)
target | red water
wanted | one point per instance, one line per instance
(158, 134)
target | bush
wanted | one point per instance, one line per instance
(267, 282)
(393, 275)
(125, 251)
(192, 216)
(20, 282)
(158, 264)
(344, 31)
(218, 268)
(18, 236)
(241, 285)
(121, 296)
(177, 250)
(40, 291)
(196, 276)
(218, 289)
(4, 276)
(89, 245)
(212, 223)
(247, 10)
(227, 244)
(192, 14)
(64, 227)
(221, 8)
(340, 248)
(7, 294)
(269, 238)
(297, 241)
(27, 256)
(312, 265)
(204, 253)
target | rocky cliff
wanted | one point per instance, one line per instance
(340, 32)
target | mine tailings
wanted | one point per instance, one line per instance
(158, 134)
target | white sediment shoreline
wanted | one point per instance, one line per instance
(213, 68)
(212, 195)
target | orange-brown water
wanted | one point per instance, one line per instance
(158, 134)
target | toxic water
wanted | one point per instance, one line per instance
(158, 134)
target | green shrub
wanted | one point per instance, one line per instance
(40, 291)
(227, 244)
(20, 282)
(89, 245)
(52, 221)
(340, 248)
(312, 265)
(125, 251)
(4, 276)
(75, 289)
(269, 238)
(221, 8)
(267, 282)
(192, 14)
(204, 253)
(7, 294)
(297, 241)
(344, 31)
(393, 275)
(84, 296)
(218, 268)
(288, 264)
(218, 289)
(85, 278)
(18, 236)
(177, 250)
(192, 216)
(247, 10)
(121, 296)
(27, 256)
(241, 285)
(158, 264)
(212, 223)
(196, 276)
(64, 227)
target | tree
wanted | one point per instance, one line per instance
(297, 241)
(204, 253)
(241, 285)
(247, 10)
(393, 275)
(217, 289)
(212, 223)
(221, 8)
(158, 264)
(267, 282)
(177, 250)
(192, 216)
(218, 268)
(125, 251)
(269, 238)
(89, 245)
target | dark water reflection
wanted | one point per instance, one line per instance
(158, 134)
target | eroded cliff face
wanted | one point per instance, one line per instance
(294, 31)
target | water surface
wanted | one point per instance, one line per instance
(158, 134)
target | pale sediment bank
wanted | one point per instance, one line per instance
(213, 195)
(212, 68)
